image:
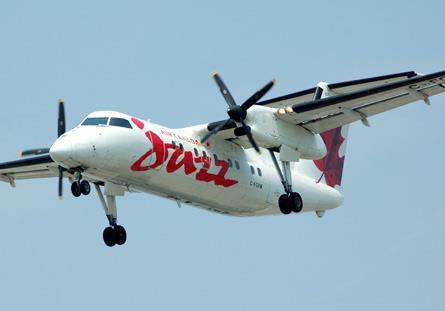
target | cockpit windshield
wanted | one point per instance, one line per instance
(95, 121)
(104, 121)
(120, 122)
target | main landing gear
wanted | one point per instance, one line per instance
(114, 234)
(290, 201)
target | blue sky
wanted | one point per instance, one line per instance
(383, 249)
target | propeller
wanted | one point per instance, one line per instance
(238, 113)
(61, 128)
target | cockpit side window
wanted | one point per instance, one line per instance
(95, 121)
(120, 122)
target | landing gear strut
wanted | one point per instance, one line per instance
(113, 234)
(290, 201)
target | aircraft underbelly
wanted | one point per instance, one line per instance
(245, 197)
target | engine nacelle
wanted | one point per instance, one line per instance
(270, 132)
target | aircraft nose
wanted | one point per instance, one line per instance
(61, 150)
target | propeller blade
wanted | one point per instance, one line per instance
(214, 131)
(236, 113)
(61, 128)
(250, 137)
(60, 182)
(224, 90)
(252, 100)
(31, 152)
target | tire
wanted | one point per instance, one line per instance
(120, 235)
(283, 203)
(295, 202)
(85, 187)
(109, 236)
(75, 189)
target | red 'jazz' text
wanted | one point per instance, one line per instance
(180, 159)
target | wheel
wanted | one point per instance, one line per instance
(75, 189)
(108, 236)
(283, 203)
(120, 235)
(295, 202)
(85, 187)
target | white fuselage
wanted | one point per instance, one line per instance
(219, 176)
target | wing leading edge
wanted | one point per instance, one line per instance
(35, 167)
(337, 88)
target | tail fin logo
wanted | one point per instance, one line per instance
(332, 164)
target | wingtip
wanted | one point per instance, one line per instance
(61, 101)
(214, 73)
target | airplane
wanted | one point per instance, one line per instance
(278, 156)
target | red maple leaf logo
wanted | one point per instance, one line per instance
(332, 164)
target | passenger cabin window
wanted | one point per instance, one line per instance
(196, 152)
(259, 172)
(230, 162)
(204, 154)
(252, 170)
(120, 122)
(95, 121)
(215, 157)
(181, 146)
(173, 144)
(237, 164)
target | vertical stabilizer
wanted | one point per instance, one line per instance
(331, 166)
(328, 170)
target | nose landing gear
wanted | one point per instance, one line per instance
(79, 186)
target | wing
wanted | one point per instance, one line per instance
(336, 88)
(331, 112)
(35, 167)
(319, 121)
